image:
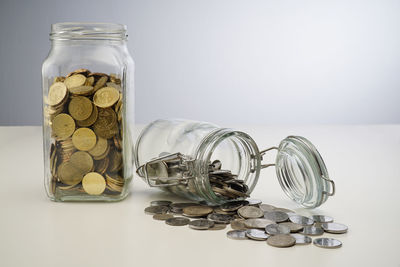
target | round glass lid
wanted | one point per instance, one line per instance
(302, 173)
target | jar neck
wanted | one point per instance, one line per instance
(81, 32)
(237, 148)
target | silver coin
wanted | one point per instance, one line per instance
(256, 234)
(178, 207)
(266, 207)
(325, 242)
(302, 239)
(302, 220)
(294, 227)
(237, 234)
(287, 211)
(177, 221)
(277, 229)
(281, 241)
(276, 216)
(334, 228)
(160, 203)
(322, 219)
(201, 224)
(218, 226)
(312, 230)
(253, 201)
(238, 224)
(257, 223)
(156, 210)
(162, 217)
(220, 218)
(250, 212)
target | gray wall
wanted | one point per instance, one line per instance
(225, 61)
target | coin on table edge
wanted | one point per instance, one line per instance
(302, 220)
(152, 210)
(281, 241)
(325, 242)
(250, 212)
(266, 207)
(69, 174)
(100, 148)
(312, 230)
(322, 218)
(197, 211)
(57, 93)
(237, 234)
(63, 126)
(277, 229)
(218, 226)
(84, 139)
(75, 80)
(257, 234)
(294, 227)
(94, 183)
(334, 228)
(201, 224)
(160, 203)
(287, 211)
(220, 218)
(82, 160)
(106, 97)
(276, 216)
(258, 223)
(80, 108)
(162, 217)
(238, 224)
(89, 121)
(302, 239)
(177, 221)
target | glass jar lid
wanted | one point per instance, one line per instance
(302, 172)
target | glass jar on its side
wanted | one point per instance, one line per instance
(181, 156)
(87, 87)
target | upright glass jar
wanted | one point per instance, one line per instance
(87, 87)
(185, 158)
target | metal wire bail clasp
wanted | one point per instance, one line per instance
(167, 170)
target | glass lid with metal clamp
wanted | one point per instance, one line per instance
(203, 162)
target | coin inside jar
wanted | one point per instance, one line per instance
(69, 174)
(80, 108)
(82, 161)
(75, 80)
(106, 97)
(84, 139)
(57, 93)
(94, 183)
(63, 126)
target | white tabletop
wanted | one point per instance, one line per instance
(363, 161)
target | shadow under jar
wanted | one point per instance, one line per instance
(203, 162)
(87, 82)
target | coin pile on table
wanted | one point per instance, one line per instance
(251, 220)
(84, 112)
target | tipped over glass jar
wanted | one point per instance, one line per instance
(203, 162)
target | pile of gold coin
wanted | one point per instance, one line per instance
(84, 111)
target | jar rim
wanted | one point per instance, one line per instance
(88, 30)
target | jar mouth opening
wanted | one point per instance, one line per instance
(244, 161)
(88, 30)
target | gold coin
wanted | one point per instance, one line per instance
(75, 81)
(57, 93)
(80, 108)
(115, 161)
(106, 124)
(100, 83)
(106, 97)
(81, 90)
(94, 183)
(82, 161)
(100, 148)
(89, 121)
(90, 81)
(84, 139)
(102, 156)
(69, 174)
(63, 126)
(79, 71)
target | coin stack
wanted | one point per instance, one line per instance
(84, 112)
(252, 220)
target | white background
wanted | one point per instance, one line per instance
(246, 62)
